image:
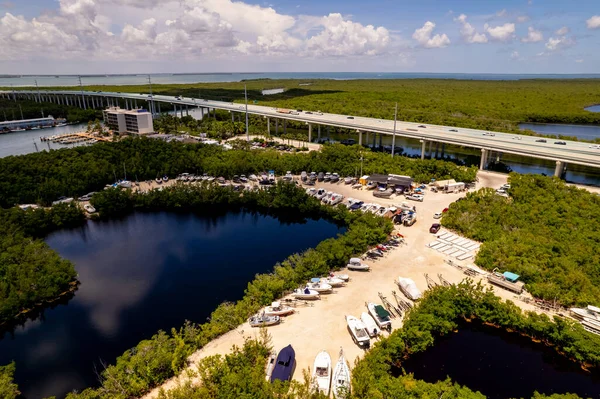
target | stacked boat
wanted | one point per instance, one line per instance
(589, 318)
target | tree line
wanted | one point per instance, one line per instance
(45, 176)
(546, 232)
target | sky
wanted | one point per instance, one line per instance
(176, 36)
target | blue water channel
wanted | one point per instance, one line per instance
(147, 272)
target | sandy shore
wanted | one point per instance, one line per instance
(323, 326)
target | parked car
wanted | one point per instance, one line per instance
(489, 134)
(453, 130)
(415, 197)
(437, 215)
(595, 147)
(435, 228)
(350, 117)
(541, 141)
(560, 142)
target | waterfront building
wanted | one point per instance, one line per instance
(136, 121)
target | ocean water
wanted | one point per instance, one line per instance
(175, 78)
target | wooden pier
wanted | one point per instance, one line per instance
(72, 138)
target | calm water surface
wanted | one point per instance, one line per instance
(501, 365)
(593, 108)
(20, 143)
(580, 131)
(147, 272)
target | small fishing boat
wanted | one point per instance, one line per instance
(370, 325)
(305, 293)
(334, 281)
(271, 361)
(89, 208)
(380, 315)
(327, 177)
(340, 384)
(344, 277)
(317, 285)
(284, 365)
(124, 184)
(326, 197)
(165, 178)
(277, 309)
(358, 332)
(356, 264)
(409, 288)
(335, 199)
(349, 180)
(263, 320)
(335, 177)
(311, 191)
(321, 377)
(253, 177)
(320, 193)
(158, 180)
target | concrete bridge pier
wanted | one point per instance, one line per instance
(359, 137)
(285, 126)
(560, 169)
(276, 126)
(484, 156)
(423, 144)
(309, 132)
(268, 126)
(319, 132)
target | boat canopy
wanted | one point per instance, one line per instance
(315, 280)
(355, 260)
(381, 312)
(275, 304)
(512, 277)
(593, 309)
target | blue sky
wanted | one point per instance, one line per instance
(127, 36)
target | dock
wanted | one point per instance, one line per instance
(72, 138)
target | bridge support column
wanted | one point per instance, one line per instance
(560, 167)
(484, 155)
(268, 126)
(284, 126)
(158, 108)
(187, 111)
(360, 137)
(430, 144)
(423, 144)
(309, 133)
(319, 132)
(135, 102)
(276, 126)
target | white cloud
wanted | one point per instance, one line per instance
(424, 37)
(502, 33)
(514, 55)
(593, 22)
(501, 13)
(533, 36)
(522, 18)
(579, 61)
(467, 31)
(563, 31)
(343, 37)
(559, 43)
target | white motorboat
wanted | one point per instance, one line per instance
(253, 177)
(277, 309)
(305, 293)
(320, 287)
(340, 382)
(335, 177)
(349, 180)
(590, 312)
(327, 177)
(358, 331)
(263, 320)
(336, 199)
(288, 176)
(380, 315)
(89, 208)
(320, 193)
(326, 197)
(334, 281)
(343, 277)
(311, 191)
(270, 365)
(372, 329)
(321, 377)
(356, 264)
(124, 184)
(158, 180)
(409, 288)
(365, 207)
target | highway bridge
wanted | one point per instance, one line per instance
(562, 152)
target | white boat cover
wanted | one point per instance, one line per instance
(410, 287)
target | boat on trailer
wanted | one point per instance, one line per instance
(322, 373)
(370, 325)
(263, 320)
(340, 384)
(270, 365)
(356, 264)
(305, 293)
(277, 309)
(319, 286)
(358, 332)
(284, 365)
(380, 315)
(334, 281)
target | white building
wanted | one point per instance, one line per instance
(136, 121)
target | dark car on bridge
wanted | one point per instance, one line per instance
(560, 143)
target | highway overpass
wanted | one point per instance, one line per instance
(572, 152)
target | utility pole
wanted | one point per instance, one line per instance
(20, 109)
(361, 164)
(246, 96)
(152, 97)
(82, 96)
(394, 135)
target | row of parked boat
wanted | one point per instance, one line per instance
(369, 325)
(281, 367)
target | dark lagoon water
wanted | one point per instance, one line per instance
(501, 365)
(585, 132)
(147, 272)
